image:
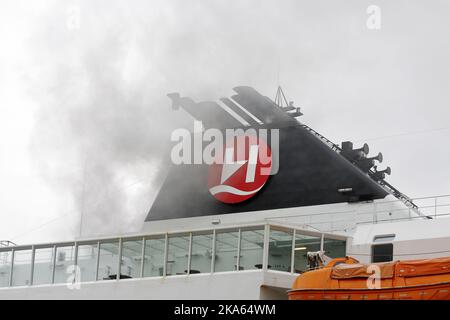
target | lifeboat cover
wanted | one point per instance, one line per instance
(357, 270)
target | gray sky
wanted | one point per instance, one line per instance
(84, 119)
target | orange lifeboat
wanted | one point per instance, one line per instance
(347, 279)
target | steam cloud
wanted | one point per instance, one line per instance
(100, 80)
(104, 121)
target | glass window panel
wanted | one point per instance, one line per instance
(382, 252)
(303, 245)
(109, 260)
(154, 257)
(177, 257)
(5, 268)
(226, 250)
(21, 268)
(280, 250)
(252, 244)
(65, 258)
(131, 258)
(334, 248)
(43, 266)
(87, 261)
(201, 253)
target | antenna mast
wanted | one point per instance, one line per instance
(280, 98)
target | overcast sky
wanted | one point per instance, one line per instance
(84, 120)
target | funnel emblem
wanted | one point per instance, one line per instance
(241, 170)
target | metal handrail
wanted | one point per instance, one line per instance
(372, 215)
(265, 227)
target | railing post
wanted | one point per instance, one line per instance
(322, 240)
(141, 273)
(435, 207)
(54, 263)
(265, 261)
(238, 257)
(75, 258)
(166, 252)
(119, 268)
(293, 251)
(33, 255)
(11, 270)
(213, 257)
(188, 270)
(97, 262)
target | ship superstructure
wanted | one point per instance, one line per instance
(323, 198)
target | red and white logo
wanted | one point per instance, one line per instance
(241, 170)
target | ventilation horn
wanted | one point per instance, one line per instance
(380, 175)
(354, 154)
